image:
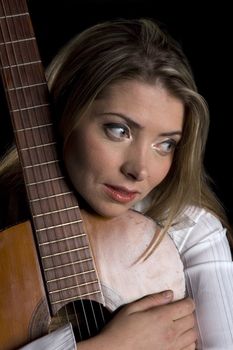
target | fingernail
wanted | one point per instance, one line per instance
(167, 294)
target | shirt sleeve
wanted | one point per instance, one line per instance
(208, 269)
(61, 339)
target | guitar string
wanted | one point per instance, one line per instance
(24, 97)
(12, 73)
(13, 77)
(18, 97)
(54, 264)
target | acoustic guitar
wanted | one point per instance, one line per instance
(63, 265)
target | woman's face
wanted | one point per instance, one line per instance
(124, 146)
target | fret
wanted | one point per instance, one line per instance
(23, 76)
(54, 204)
(38, 146)
(20, 65)
(16, 15)
(34, 137)
(48, 197)
(42, 173)
(38, 163)
(21, 51)
(68, 264)
(41, 158)
(23, 32)
(59, 233)
(81, 296)
(12, 42)
(28, 109)
(74, 275)
(68, 288)
(28, 86)
(41, 164)
(35, 127)
(86, 286)
(43, 182)
(80, 282)
(64, 247)
(47, 185)
(77, 269)
(62, 244)
(65, 252)
(35, 117)
(47, 189)
(60, 225)
(56, 211)
(62, 239)
(55, 221)
(66, 259)
(24, 100)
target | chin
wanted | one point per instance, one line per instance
(110, 212)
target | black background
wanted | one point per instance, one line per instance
(206, 35)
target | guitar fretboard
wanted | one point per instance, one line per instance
(63, 245)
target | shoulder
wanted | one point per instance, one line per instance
(195, 226)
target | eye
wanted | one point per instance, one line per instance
(117, 131)
(166, 147)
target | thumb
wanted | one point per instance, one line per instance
(151, 301)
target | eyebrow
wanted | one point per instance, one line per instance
(138, 126)
(127, 119)
(172, 133)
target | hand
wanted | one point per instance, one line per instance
(151, 323)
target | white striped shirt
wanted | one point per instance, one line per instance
(208, 267)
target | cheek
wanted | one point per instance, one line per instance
(88, 155)
(159, 171)
(96, 156)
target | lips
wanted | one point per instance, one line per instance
(120, 194)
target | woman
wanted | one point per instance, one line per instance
(124, 97)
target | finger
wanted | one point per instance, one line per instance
(151, 301)
(181, 308)
(184, 324)
(187, 340)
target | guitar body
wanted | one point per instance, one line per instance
(24, 310)
(123, 277)
(24, 313)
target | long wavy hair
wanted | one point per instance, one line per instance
(138, 50)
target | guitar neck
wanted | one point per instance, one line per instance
(63, 245)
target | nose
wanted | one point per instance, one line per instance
(135, 165)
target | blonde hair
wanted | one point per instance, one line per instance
(138, 49)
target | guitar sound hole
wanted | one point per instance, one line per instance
(87, 318)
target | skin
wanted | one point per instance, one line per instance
(123, 148)
(150, 323)
(120, 151)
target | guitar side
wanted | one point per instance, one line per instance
(24, 314)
